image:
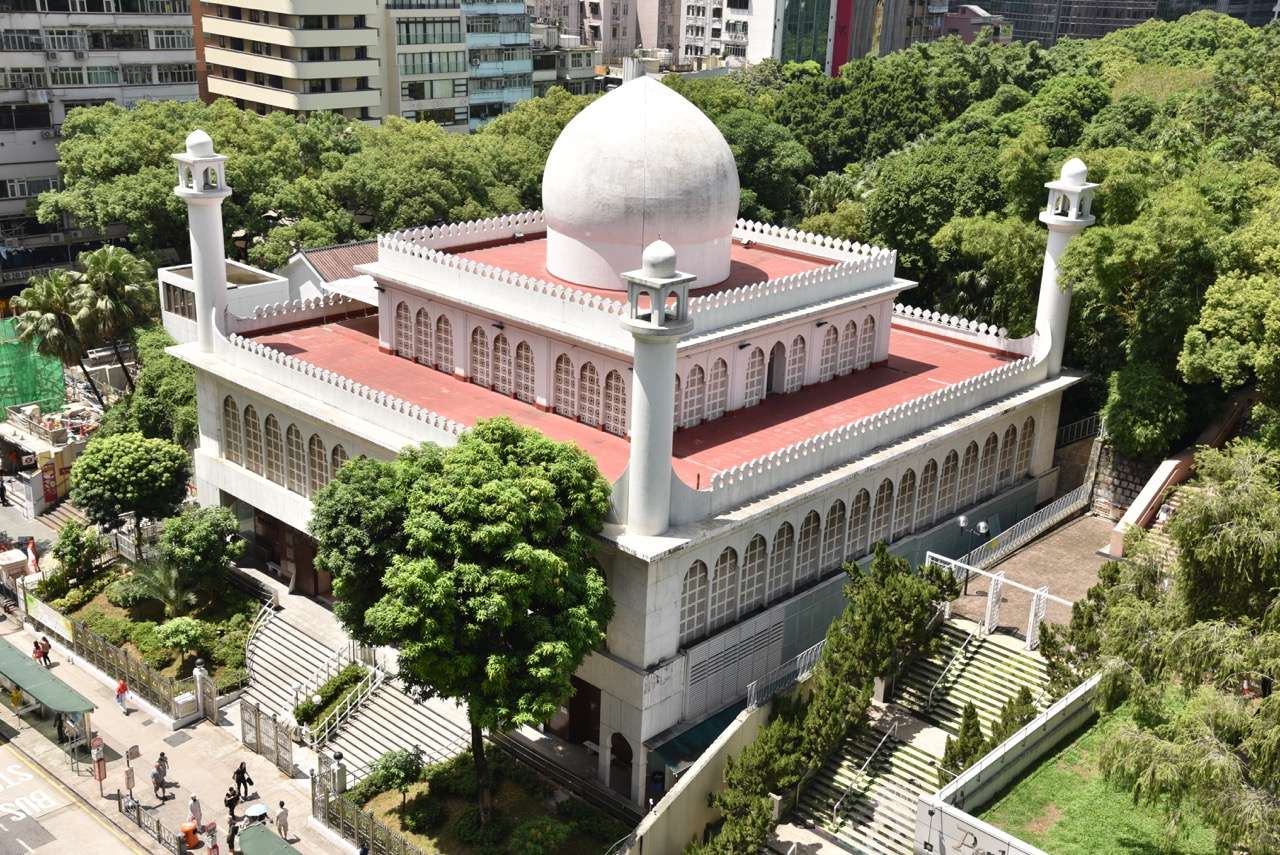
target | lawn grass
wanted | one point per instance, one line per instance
(1065, 807)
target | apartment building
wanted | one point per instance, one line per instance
(906, 22)
(455, 62)
(561, 59)
(612, 27)
(52, 60)
(828, 32)
(1046, 21)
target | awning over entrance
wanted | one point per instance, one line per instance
(37, 681)
(257, 839)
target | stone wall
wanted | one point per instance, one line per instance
(1120, 480)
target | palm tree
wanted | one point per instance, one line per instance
(115, 296)
(47, 310)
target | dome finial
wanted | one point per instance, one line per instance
(659, 260)
(199, 144)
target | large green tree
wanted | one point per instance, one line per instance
(492, 594)
(163, 402)
(47, 310)
(130, 475)
(116, 294)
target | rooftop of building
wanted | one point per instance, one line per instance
(339, 261)
(917, 365)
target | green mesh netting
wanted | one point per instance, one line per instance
(26, 375)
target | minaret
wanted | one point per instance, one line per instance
(658, 295)
(1066, 215)
(202, 184)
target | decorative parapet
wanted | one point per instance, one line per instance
(962, 329)
(450, 235)
(770, 472)
(291, 311)
(336, 390)
(809, 243)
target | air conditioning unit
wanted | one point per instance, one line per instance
(81, 54)
(51, 54)
(57, 237)
(75, 234)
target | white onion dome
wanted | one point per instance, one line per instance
(638, 165)
(658, 261)
(199, 144)
(1074, 171)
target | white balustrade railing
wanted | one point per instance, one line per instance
(1076, 431)
(784, 676)
(1029, 527)
(319, 732)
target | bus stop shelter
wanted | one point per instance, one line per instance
(257, 839)
(42, 686)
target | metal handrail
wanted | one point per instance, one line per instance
(620, 846)
(264, 614)
(1078, 430)
(335, 662)
(313, 736)
(857, 778)
(928, 704)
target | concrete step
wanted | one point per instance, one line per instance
(280, 657)
(390, 720)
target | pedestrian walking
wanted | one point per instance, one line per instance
(193, 808)
(59, 724)
(232, 828)
(45, 647)
(163, 762)
(242, 781)
(282, 822)
(158, 783)
(211, 839)
(37, 652)
(122, 692)
(231, 799)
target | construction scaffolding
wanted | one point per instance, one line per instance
(27, 376)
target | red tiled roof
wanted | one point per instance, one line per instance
(338, 262)
(917, 365)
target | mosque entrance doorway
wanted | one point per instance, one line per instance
(578, 720)
(776, 376)
(620, 765)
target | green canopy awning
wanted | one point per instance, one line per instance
(39, 682)
(257, 839)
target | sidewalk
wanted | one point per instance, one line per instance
(202, 758)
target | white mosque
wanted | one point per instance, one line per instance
(763, 403)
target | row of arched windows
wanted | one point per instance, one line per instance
(280, 456)
(773, 570)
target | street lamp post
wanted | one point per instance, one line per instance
(976, 532)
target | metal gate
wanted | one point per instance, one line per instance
(993, 604)
(263, 734)
(1039, 605)
(208, 690)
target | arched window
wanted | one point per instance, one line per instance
(501, 365)
(1025, 442)
(755, 378)
(866, 344)
(404, 331)
(807, 552)
(882, 515)
(1008, 448)
(336, 458)
(906, 509)
(947, 484)
(252, 441)
(317, 465)
(524, 373)
(782, 561)
(615, 404)
(833, 533)
(695, 396)
(927, 504)
(479, 357)
(718, 390)
(968, 476)
(273, 446)
(296, 460)
(231, 430)
(444, 344)
(755, 568)
(678, 417)
(589, 395)
(987, 468)
(724, 590)
(563, 397)
(422, 337)
(860, 525)
(795, 365)
(848, 348)
(827, 360)
(693, 603)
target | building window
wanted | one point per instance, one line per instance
(428, 31)
(182, 72)
(136, 75)
(987, 468)
(724, 590)
(479, 357)
(947, 484)
(795, 365)
(693, 603)
(860, 524)
(928, 495)
(23, 78)
(231, 430)
(755, 567)
(1008, 449)
(807, 553)
(173, 39)
(102, 75)
(444, 344)
(906, 510)
(62, 75)
(421, 335)
(718, 390)
(501, 365)
(968, 476)
(317, 465)
(695, 396)
(1025, 442)
(525, 373)
(827, 360)
(755, 378)
(562, 395)
(781, 562)
(295, 458)
(432, 62)
(589, 395)
(404, 333)
(678, 420)
(883, 513)
(27, 188)
(274, 448)
(833, 535)
(252, 441)
(615, 404)
(338, 457)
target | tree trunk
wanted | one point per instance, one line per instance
(484, 789)
(94, 386)
(115, 345)
(137, 536)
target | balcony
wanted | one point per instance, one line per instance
(365, 36)
(309, 7)
(296, 101)
(292, 69)
(502, 69)
(506, 7)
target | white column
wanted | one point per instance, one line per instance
(1054, 306)
(208, 266)
(652, 417)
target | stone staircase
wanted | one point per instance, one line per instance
(281, 656)
(62, 513)
(988, 672)
(391, 719)
(1156, 534)
(878, 817)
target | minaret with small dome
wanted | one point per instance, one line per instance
(1066, 215)
(202, 184)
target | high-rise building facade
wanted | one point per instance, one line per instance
(828, 32)
(1046, 21)
(52, 60)
(906, 22)
(561, 59)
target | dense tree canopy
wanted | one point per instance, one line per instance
(130, 474)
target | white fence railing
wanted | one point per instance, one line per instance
(1028, 528)
(1077, 431)
(784, 676)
